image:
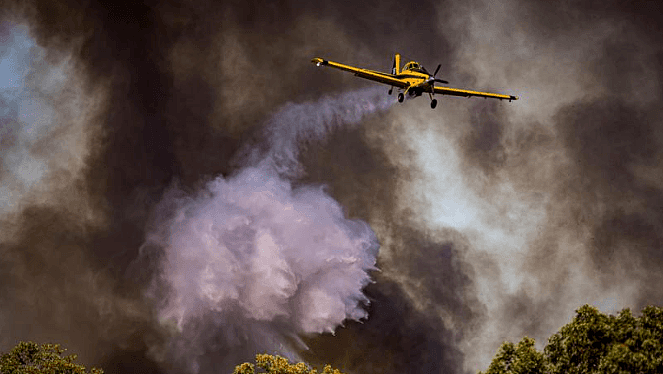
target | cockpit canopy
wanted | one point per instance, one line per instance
(415, 66)
(411, 65)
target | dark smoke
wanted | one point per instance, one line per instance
(495, 220)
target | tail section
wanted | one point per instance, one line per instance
(396, 68)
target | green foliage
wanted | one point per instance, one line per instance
(30, 358)
(592, 343)
(517, 359)
(279, 365)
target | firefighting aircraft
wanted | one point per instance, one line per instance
(413, 78)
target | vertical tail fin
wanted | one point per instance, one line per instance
(396, 68)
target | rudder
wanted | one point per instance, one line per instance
(396, 68)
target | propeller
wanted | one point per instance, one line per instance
(438, 79)
(432, 80)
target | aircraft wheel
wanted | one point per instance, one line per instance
(433, 103)
(389, 92)
(401, 97)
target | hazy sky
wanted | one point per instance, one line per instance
(180, 188)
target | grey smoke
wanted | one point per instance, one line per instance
(495, 220)
(24, 116)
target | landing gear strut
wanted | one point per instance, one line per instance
(401, 97)
(433, 103)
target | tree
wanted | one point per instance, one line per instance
(517, 359)
(279, 365)
(30, 358)
(592, 343)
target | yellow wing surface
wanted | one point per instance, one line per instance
(397, 81)
(365, 73)
(468, 93)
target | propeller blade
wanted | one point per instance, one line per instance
(441, 80)
(438, 69)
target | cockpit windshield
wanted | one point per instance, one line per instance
(415, 66)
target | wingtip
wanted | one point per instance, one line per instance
(318, 61)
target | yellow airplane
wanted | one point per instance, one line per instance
(413, 78)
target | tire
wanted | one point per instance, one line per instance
(401, 97)
(433, 103)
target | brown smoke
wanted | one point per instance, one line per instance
(495, 219)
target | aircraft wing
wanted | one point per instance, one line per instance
(364, 73)
(468, 93)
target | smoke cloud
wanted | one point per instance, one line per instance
(35, 138)
(150, 149)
